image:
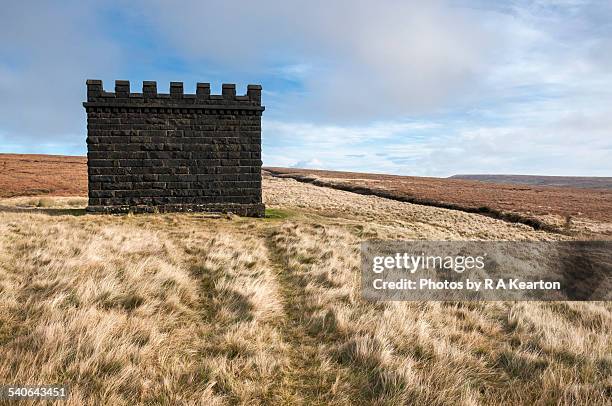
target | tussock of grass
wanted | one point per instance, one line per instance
(44, 202)
(185, 309)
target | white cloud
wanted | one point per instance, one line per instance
(328, 136)
(557, 144)
(313, 163)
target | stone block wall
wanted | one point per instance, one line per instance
(153, 152)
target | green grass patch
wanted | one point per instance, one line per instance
(277, 214)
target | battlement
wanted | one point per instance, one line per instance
(177, 98)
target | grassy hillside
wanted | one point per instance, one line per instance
(203, 309)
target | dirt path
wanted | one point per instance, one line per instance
(310, 378)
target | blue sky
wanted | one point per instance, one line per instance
(408, 87)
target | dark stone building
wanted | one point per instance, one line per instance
(151, 152)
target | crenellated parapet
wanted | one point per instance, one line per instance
(149, 98)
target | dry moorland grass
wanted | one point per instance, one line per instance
(582, 211)
(199, 309)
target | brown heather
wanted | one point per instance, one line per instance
(202, 309)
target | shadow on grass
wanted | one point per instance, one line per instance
(44, 210)
(271, 214)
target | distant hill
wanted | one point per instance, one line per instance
(582, 182)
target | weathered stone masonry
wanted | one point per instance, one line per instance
(152, 152)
